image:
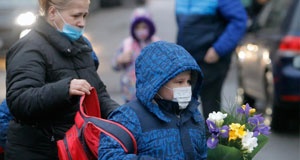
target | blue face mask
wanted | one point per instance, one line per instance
(72, 32)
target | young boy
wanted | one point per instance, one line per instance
(142, 32)
(164, 118)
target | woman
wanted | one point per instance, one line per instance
(47, 71)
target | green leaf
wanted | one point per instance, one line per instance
(222, 152)
(230, 119)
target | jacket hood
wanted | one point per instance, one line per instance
(158, 63)
(141, 15)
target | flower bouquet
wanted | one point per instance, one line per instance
(237, 135)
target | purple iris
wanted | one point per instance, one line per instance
(260, 128)
(212, 127)
(215, 132)
(256, 120)
(224, 131)
(212, 142)
(265, 130)
(244, 110)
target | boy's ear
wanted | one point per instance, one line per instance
(194, 78)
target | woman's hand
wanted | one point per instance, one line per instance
(211, 56)
(79, 87)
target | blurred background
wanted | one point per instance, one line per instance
(265, 69)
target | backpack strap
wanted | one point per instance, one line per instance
(90, 113)
(112, 129)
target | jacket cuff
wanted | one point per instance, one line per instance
(62, 89)
(219, 51)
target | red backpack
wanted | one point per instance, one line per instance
(82, 140)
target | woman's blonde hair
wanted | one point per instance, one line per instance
(45, 4)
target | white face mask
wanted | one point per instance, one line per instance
(182, 95)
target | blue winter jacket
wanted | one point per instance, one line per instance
(160, 134)
(6, 116)
(206, 23)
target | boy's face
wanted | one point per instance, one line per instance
(181, 80)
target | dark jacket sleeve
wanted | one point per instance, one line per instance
(107, 105)
(234, 12)
(28, 96)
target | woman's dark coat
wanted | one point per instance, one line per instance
(40, 67)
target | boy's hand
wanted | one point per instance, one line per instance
(79, 87)
(211, 56)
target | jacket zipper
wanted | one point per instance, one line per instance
(179, 126)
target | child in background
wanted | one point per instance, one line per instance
(142, 31)
(164, 119)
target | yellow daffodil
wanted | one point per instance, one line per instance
(236, 130)
(244, 107)
(252, 111)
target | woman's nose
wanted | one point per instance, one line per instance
(81, 23)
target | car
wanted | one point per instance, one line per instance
(268, 60)
(17, 17)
